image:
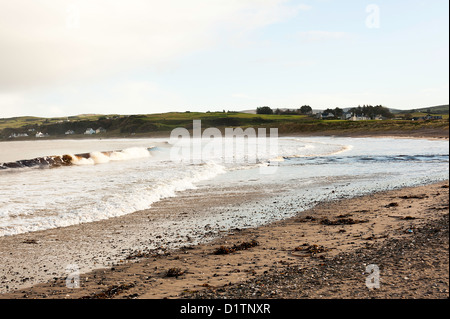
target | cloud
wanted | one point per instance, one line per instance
(319, 36)
(241, 96)
(10, 104)
(47, 42)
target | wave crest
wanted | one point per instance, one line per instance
(81, 159)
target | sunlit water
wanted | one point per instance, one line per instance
(34, 199)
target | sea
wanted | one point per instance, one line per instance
(48, 184)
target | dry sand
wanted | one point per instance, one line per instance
(404, 232)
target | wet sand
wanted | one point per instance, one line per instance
(320, 253)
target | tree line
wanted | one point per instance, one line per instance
(365, 110)
(372, 111)
(304, 110)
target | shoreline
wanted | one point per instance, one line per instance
(362, 222)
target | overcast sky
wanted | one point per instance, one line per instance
(68, 57)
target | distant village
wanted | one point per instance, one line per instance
(360, 113)
(353, 117)
(348, 116)
(32, 131)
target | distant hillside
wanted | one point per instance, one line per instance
(282, 109)
(440, 109)
(156, 124)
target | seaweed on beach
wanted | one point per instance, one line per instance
(110, 292)
(224, 250)
(153, 253)
(311, 249)
(174, 272)
(341, 221)
(30, 241)
(423, 196)
(392, 205)
(306, 219)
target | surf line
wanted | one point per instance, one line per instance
(57, 160)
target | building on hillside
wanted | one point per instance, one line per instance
(40, 134)
(359, 118)
(379, 117)
(14, 135)
(346, 115)
(428, 117)
(89, 131)
(324, 115)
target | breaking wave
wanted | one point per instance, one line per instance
(80, 159)
(341, 149)
(119, 198)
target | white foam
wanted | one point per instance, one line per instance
(95, 203)
(106, 157)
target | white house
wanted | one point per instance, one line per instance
(89, 131)
(324, 115)
(100, 130)
(358, 118)
(40, 134)
(346, 116)
(70, 132)
(14, 135)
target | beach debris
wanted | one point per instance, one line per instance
(147, 253)
(137, 254)
(306, 219)
(224, 250)
(403, 217)
(423, 196)
(174, 272)
(110, 292)
(444, 186)
(371, 237)
(344, 215)
(341, 221)
(309, 250)
(30, 241)
(392, 205)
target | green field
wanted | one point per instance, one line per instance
(163, 123)
(422, 114)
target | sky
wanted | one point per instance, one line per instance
(69, 57)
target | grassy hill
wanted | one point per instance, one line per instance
(440, 109)
(144, 125)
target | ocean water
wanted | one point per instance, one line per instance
(101, 179)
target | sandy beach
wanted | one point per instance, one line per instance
(320, 253)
